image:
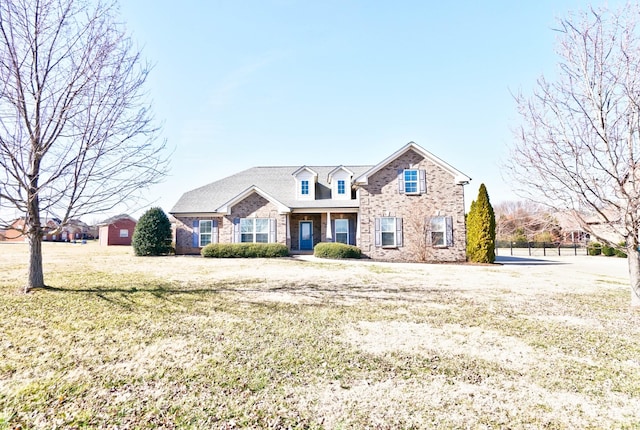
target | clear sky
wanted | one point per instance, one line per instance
(239, 84)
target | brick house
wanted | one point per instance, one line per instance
(117, 230)
(408, 207)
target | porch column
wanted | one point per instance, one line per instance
(329, 234)
(288, 221)
(358, 228)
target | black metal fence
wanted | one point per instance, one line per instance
(541, 249)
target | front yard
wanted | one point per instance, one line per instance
(118, 341)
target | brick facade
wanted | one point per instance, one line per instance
(378, 194)
(381, 198)
(254, 206)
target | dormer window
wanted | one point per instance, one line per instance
(305, 184)
(340, 181)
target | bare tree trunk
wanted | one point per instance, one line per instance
(633, 257)
(36, 274)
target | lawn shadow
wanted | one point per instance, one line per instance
(125, 297)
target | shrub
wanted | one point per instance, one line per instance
(244, 250)
(481, 229)
(609, 251)
(152, 235)
(594, 248)
(336, 250)
(619, 252)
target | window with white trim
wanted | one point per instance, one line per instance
(206, 232)
(341, 187)
(438, 231)
(254, 230)
(304, 188)
(124, 232)
(342, 230)
(388, 231)
(411, 181)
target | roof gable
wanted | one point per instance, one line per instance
(459, 177)
(226, 206)
(337, 170)
(305, 168)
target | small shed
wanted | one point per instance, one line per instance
(117, 230)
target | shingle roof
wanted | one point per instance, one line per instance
(277, 182)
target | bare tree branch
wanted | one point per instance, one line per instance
(77, 135)
(576, 146)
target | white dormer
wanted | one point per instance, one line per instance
(306, 180)
(340, 181)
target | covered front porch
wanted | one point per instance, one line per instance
(305, 229)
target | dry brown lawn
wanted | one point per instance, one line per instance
(118, 341)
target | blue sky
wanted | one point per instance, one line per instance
(239, 83)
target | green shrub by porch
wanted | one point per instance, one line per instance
(245, 250)
(336, 250)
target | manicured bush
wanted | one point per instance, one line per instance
(152, 235)
(619, 252)
(594, 248)
(481, 229)
(608, 251)
(336, 250)
(244, 250)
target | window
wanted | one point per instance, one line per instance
(441, 231)
(304, 187)
(124, 232)
(341, 187)
(411, 181)
(206, 232)
(254, 230)
(438, 231)
(388, 231)
(342, 230)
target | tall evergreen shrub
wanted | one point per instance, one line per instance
(152, 235)
(481, 229)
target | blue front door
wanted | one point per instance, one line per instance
(306, 235)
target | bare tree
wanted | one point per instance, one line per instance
(578, 144)
(76, 132)
(524, 220)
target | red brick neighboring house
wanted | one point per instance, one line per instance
(14, 232)
(408, 207)
(117, 230)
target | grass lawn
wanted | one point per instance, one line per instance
(123, 342)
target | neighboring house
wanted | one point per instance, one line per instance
(73, 230)
(117, 230)
(53, 231)
(15, 232)
(408, 207)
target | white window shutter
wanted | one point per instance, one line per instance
(196, 233)
(236, 230)
(398, 231)
(401, 181)
(272, 230)
(214, 231)
(449, 230)
(423, 181)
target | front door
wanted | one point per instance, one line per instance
(306, 235)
